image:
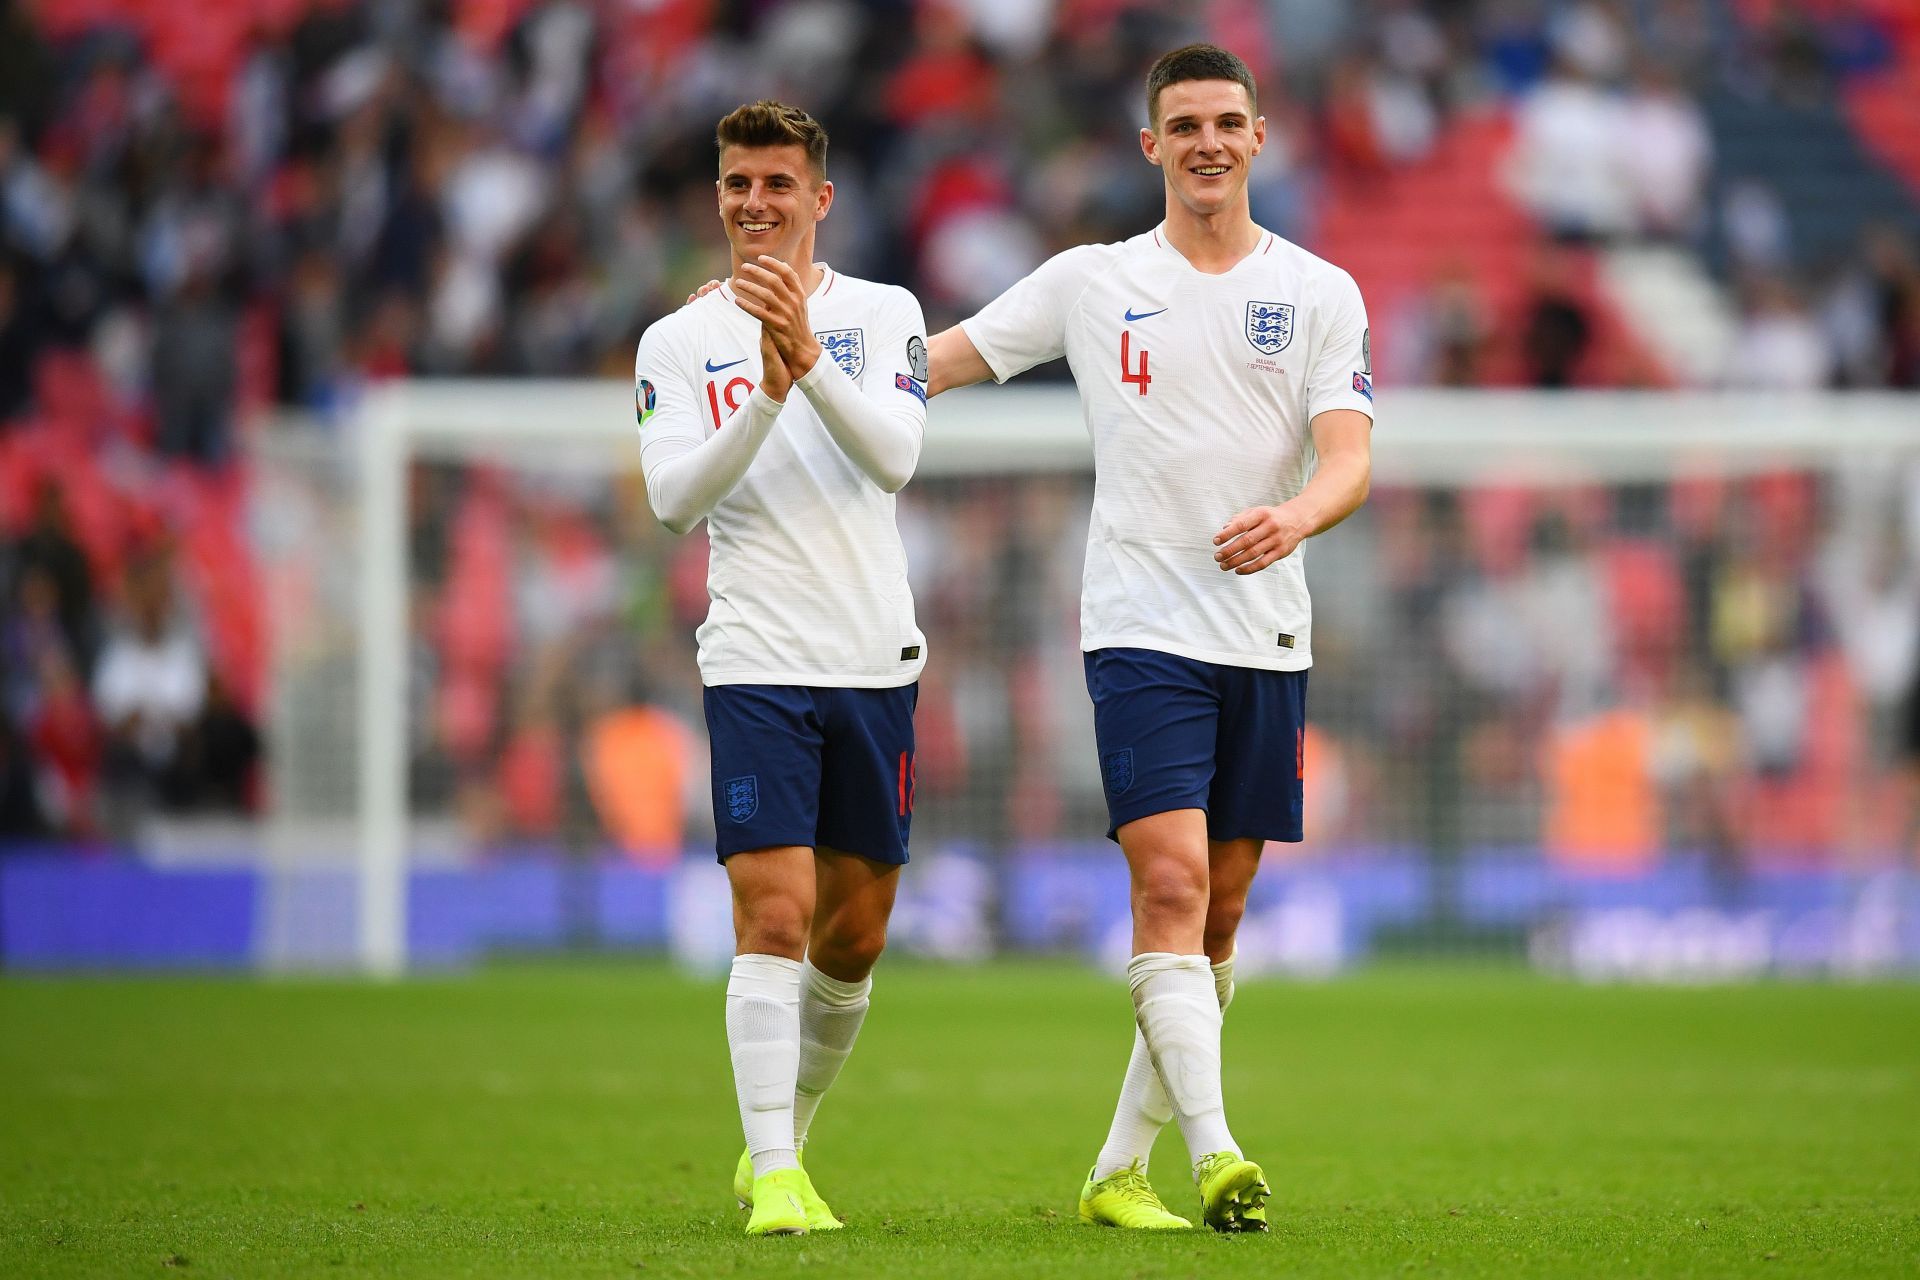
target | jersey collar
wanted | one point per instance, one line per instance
(1260, 250)
(827, 276)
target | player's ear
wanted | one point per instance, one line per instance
(1259, 133)
(823, 199)
(1150, 146)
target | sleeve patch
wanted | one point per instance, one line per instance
(1364, 385)
(645, 402)
(917, 358)
(910, 386)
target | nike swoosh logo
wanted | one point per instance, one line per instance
(1142, 316)
(715, 368)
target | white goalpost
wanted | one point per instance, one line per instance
(333, 528)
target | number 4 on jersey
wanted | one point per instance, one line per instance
(1127, 376)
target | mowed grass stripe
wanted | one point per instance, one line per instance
(577, 1120)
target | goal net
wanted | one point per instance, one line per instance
(1621, 682)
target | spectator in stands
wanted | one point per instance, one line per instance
(1667, 154)
(1779, 346)
(642, 766)
(1453, 330)
(49, 552)
(20, 816)
(1893, 272)
(47, 702)
(66, 741)
(30, 634)
(19, 340)
(1557, 330)
(150, 689)
(313, 339)
(195, 349)
(1569, 162)
(221, 756)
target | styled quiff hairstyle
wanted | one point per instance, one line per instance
(1197, 62)
(767, 123)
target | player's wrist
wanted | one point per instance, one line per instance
(804, 360)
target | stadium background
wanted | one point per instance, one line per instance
(1616, 672)
(1628, 724)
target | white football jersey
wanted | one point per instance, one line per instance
(807, 579)
(1198, 391)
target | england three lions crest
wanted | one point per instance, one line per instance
(743, 797)
(847, 347)
(1269, 326)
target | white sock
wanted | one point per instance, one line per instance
(1143, 1110)
(763, 1035)
(1179, 1016)
(831, 1012)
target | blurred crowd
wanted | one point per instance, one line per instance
(1615, 671)
(1608, 672)
(112, 713)
(207, 211)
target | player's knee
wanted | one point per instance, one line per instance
(1223, 922)
(775, 926)
(1170, 892)
(848, 950)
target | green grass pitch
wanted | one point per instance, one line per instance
(577, 1120)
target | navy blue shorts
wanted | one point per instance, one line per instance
(795, 764)
(1176, 733)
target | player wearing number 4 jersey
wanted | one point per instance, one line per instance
(786, 408)
(1225, 380)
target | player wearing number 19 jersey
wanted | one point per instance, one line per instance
(787, 408)
(1225, 379)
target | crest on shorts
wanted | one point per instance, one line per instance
(847, 347)
(1117, 768)
(1269, 326)
(742, 796)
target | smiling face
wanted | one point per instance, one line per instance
(1204, 142)
(770, 199)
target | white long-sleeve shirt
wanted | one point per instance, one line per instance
(807, 579)
(1199, 393)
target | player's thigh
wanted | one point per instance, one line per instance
(767, 749)
(1155, 718)
(867, 772)
(1258, 783)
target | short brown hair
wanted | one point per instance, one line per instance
(1197, 62)
(767, 123)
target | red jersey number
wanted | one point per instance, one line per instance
(1127, 376)
(736, 393)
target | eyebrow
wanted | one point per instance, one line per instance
(1186, 116)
